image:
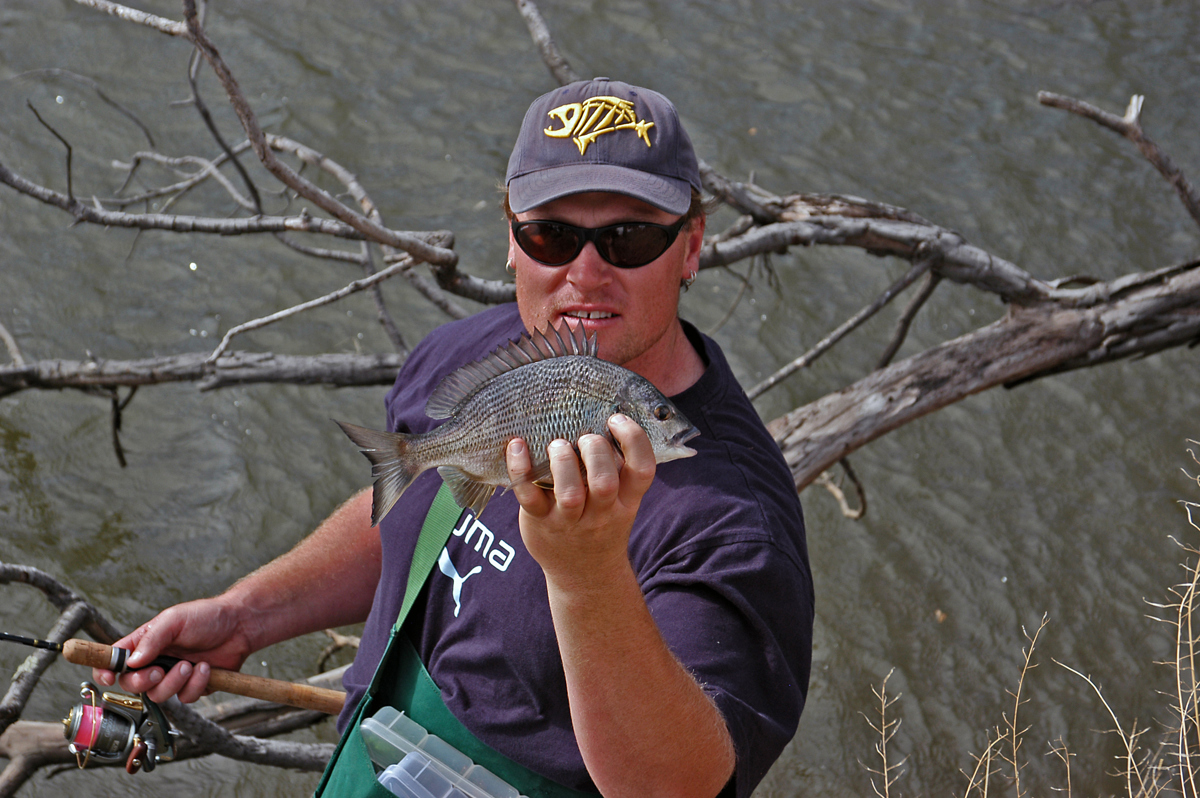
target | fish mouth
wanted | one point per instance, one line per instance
(675, 448)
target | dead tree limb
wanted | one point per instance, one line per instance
(1029, 342)
(234, 729)
(414, 245)
(559, 67)
(235, 368)
(1130, 126)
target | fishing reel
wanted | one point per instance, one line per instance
(114, 726)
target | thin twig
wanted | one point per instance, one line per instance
(339, 641)
(906, 318)
(1186, 680)
(160, 24)
(422, 284)
(978, 778)
(201, 108)
(381, 311)
(920, 267)
(65, 143)
(351, 288)
(207, 169)
(97, 214)
(342, 255)
(1063, 753)
(95, 87)
(1014, 731)
(886, 730)
(826, 481)
(10, 344)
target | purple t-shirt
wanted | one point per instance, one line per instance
(718, 547)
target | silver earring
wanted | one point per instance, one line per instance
(687, 281)
(508, 267)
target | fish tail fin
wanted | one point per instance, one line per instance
(392, 464)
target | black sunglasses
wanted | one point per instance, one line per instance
(626, 245)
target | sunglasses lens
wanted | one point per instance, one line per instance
(548, 243)
(625, 246)
(631, 245)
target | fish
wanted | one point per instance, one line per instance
(548, 385)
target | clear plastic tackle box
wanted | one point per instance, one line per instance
(417, 764)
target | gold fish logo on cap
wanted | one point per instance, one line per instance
(586, 121)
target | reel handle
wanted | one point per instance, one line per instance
(303, 696)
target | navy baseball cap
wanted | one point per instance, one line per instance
(602, 135)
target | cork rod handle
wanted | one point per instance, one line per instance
(302, 696)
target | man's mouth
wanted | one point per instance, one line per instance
(588, 314)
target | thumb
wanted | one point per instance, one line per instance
(148, 641)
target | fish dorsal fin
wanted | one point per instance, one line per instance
(459, 386)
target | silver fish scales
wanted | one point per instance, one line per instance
(541, 387)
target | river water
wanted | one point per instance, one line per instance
(1060, 497)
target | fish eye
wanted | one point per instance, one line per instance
(662, 412)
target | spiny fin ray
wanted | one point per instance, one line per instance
(457, 387)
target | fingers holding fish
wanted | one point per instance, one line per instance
(580, 528)
(533, 499)
(570, 483)
(638, 459)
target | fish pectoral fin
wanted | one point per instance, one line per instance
(469, 493)
(541, 476)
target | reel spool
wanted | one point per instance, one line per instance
(119, 728)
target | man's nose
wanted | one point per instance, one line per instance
(589, 269)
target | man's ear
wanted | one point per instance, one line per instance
(695, 242)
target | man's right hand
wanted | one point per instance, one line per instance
(203, 633)
(327, 580)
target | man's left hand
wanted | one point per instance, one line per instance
(581, 527)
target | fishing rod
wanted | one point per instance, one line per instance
(98, 655)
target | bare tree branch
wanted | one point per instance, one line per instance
(161, 24)
(1130, 127)
(426, 287)
(65, 143)
(201, 108)
(828, 342)
(96, 214)
(207, 169)
(417, 247)
(341, 293)
(551, 57)
(1029, 342)
(236, 368)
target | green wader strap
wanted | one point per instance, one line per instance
(402, 681)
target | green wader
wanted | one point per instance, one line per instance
(401, 681)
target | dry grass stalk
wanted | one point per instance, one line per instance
(1061, 751)
(1013, 732)
(979, 780)
(886, 730)
(1172, 767)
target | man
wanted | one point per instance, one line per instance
(632, 630)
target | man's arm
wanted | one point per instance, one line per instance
(644, 725)
(327, 580)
